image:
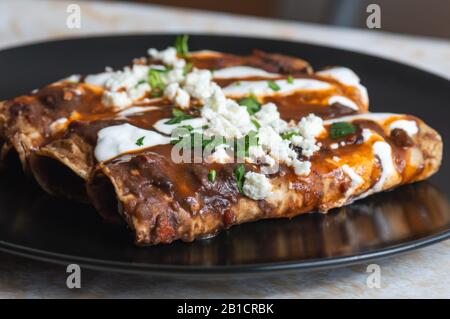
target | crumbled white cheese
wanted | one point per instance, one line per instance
(308, 145)
(277, 148)
(98, 79)
(176, 94)
(198, 84)
(336, 158)
(302, 168)
(269, 115)
(174, 76)
(138, 91)
(256, 186)
(116, 99)
(409, 126)
(167, 56)
(126, 78)
(310, 126)
(225, 117)
(220, 155)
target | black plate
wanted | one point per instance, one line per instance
(35, 225)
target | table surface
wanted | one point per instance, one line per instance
(419, 274)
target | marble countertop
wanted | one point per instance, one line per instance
(418, 274)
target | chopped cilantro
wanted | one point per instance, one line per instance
(273, 85)
(290, 79)
(340, 129)
(155, 80)
(181, 45)
(257, 125)
(288, 135)
(187, 68)
(140, 141)
(251, 103)
(177, 117)
(212, 175)
(239, 173)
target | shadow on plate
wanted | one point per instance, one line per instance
(32, 219)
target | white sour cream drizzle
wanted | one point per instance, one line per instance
(343, 101)
(258, 88)
(242, 72)
(410, 127)
(355, 178)
(136, 110)
(167, 129)
(377, 117)
(118, 139)
(383, 151)
(347, 77)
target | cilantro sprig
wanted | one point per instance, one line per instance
(212, 175)
(239, 175)
(289, 135)
(290, 79)
(273, 85)
(181, 45)
(140, 141)
(341, 129)
(251, 103)
(178, 116)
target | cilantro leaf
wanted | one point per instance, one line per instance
(340, 129)
(140, 141)
(251, 103)
(177, 117)
(273, 85)
(181, 45)
(257, 125)
(212, 175)
(290, 79)
(187, 68)
(239, 173)
(155, 80)
(289, 135)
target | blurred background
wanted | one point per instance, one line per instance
(417, 17)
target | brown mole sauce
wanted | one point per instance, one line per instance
(188, 184)
(83, 102)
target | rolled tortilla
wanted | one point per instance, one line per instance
(31, 121)
(163, 201)
(74, 150)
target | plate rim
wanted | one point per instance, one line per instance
(225, 270)
(202, 271)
